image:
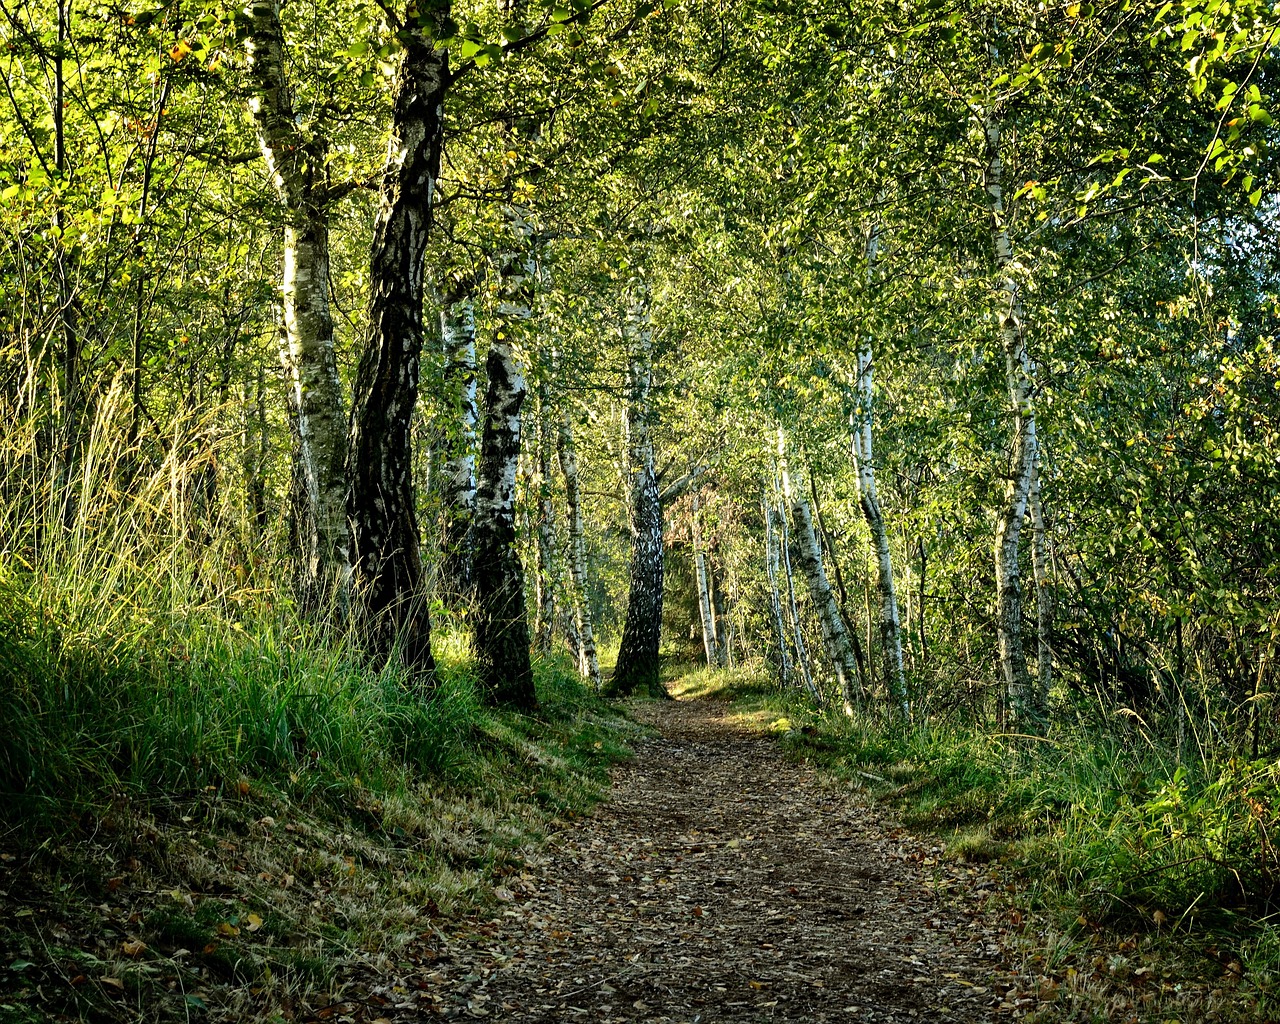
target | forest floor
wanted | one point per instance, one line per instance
(723, 882)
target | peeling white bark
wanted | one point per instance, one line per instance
(637, 668)
(458, 332)
(546, 533)
(793, 606)
(501, 624)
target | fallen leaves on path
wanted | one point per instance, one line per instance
(723, 883)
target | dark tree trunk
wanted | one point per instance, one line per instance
(501, 625)
(384, 527)
(637, 668)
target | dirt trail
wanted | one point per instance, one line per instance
(722, 883)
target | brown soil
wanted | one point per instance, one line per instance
(723, 883)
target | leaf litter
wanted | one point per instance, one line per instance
(723, 883)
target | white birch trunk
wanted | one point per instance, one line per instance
(868, 501)
(546, 533)
(1013, 662)
(297, 168)
(1044, 597)
(710, 643)
(638, 666)
(793, 605)
(458, 333)
(772, 566)
(588, 660)
(501, 621)
(834, 635)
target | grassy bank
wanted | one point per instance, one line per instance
(1143, 887)
(207, 821)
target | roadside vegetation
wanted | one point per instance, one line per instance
(1132, 877)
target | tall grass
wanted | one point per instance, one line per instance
(145, 646)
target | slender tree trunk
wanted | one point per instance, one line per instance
(458, 493)
(719, 613)
(868, 501)
(546, 531)
(924, 650)
(69, 418)
(1013, 662)
(501, 625)
(1044, 596)
(710, 642)
(255, 448)
(829, 548)
(834, 635)
(296, 165)
(380, 506)
(793, 606)
(772, 560)
(588, 661)
(638, 668)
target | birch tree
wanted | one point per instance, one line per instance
(637, 667)
(588, 660)
(835, 636)
(869, 502)
(1023, 700)
(458, 467)
(296, 163)
(501, 625)
(384, 527)
(706, 606)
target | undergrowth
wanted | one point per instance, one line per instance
(1102, 835)
(243, 823)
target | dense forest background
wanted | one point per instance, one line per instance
(918, 355)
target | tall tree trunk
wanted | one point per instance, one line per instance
(544, 587)
(1044, 595)
(772, 559)
(924, 649)
(834, 635)
(829, 549)
(1013, 661)
(384, 526)
(793, 605)
(501, 625)
(710, 642)
(588, 661)
(296, 164)
(458, 497)
(868, 501)
(637, 669)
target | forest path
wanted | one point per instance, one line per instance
(723, 883)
